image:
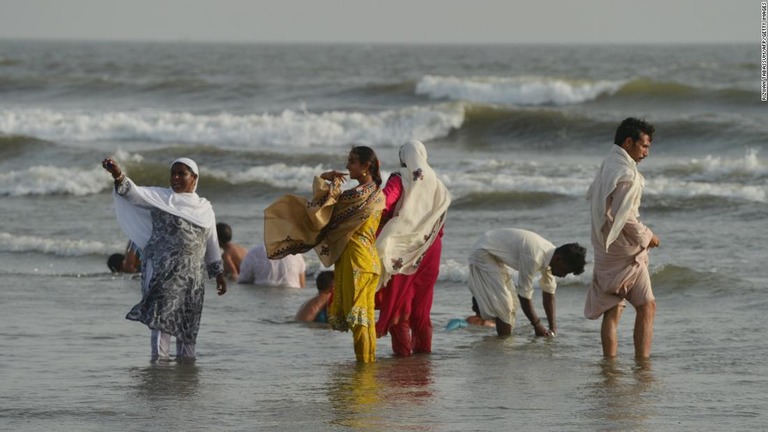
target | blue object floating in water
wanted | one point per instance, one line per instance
(456, 323)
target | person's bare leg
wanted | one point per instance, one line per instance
(502, 328)
(608, 331)
(644, 329)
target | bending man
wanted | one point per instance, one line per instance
(528, 253)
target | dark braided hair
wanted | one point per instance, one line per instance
(366, 154)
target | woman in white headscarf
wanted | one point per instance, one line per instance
(176, 231)
(410, 245)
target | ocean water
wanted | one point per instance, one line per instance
(515, 132)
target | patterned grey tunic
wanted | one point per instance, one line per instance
(172, 274)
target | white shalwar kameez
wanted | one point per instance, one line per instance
(490, 280)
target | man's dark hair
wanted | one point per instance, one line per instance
(574, 255)
(115, 262)
(632, 128)
(324, 280)
(224, 232)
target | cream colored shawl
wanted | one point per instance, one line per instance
(294, 225)
(134, 212)
(618, 167)
(418, 217)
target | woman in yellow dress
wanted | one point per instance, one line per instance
(341, 228)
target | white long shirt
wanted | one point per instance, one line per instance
(257, 269)
(524, 251)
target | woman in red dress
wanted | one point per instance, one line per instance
(409, 245)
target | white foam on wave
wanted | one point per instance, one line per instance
(55, 246)
(744, 178)
(717, 167)
(462, 184)
(521, 90)
(53, 180)
(502, 176)
(739, 179)
(289, 128)
(665, 186)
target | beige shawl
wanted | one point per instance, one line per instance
(294, 225)
(618, 167)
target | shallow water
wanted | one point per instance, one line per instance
(515, 132)
(74, 363)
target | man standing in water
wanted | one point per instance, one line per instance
(621, 242)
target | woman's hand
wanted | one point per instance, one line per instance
(332, 175)
(110, 165)
(221, 284)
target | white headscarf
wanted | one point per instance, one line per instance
(134, 213)
(618, 167)
(418, 217)
(192, 166)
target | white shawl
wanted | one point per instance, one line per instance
(134, 211)
(618, 167)
(418, 217)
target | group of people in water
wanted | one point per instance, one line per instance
(384, 242)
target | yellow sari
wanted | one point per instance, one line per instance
(341, 227)
(356, 276)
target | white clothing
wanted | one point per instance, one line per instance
(526, 252)
(257, 269)
(160, 342)
(489, 279)
(418, 217)
(134, 212)
(617, 168)
(491, 286)
(188, 162)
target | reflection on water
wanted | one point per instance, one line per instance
(387, 395)
(624, 395)
(167, 380)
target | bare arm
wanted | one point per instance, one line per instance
(550, 309)
(527, 307)
(230, 270)
(309, 310)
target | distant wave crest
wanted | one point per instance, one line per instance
(289, 128)
(54, 246)
(557, 91)
(522, 90)
(53, 180)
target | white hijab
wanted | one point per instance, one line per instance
(618, 167)
(418, 217)
(134, 213)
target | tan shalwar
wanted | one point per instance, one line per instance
(621, 272)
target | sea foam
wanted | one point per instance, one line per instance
(288, 128)
(521, 90)
(53, 180)
(55, 246)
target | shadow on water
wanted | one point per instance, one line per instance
(162, 381)
(388, 395)
(623, 396)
